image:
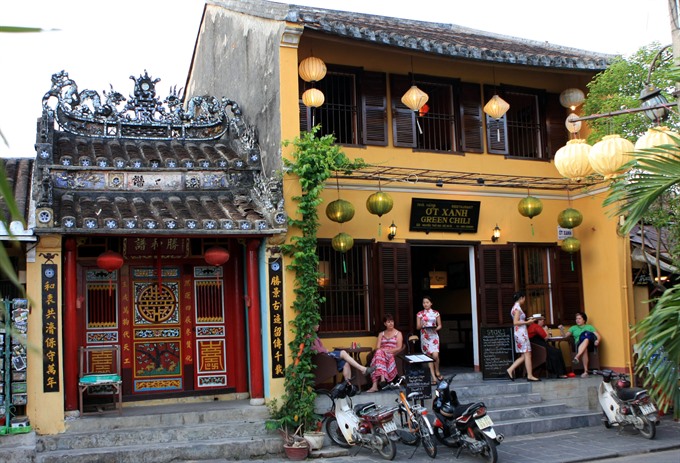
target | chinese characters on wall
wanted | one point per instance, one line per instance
(50, 324)
(276, 317)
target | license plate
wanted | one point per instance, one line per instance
(646, 409)
(389, 426)
(484, 422)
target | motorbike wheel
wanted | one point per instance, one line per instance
(335, 433)
(489, 453)
(605, 421)
(388, 450)
(445, 440)
(648, 430)
(429, 443)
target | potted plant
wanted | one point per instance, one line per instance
(315, 437)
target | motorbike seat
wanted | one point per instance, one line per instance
(629, 393)
(362, 409)
(460, 409)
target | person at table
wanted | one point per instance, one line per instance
(522, 344)
(344, 361)
(428, 321)
(389, 343)
(586, 338)
(538, 335)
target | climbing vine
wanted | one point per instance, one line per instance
(313, 161)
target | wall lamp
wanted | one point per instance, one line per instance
(496, 234)
(393, 231)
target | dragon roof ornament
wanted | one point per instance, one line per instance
(143, 115)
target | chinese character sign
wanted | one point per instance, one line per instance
(50, 323)
(275, 286)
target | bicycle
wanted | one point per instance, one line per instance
(415, 427)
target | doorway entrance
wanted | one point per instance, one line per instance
(447, 274)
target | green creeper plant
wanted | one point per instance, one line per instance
(313, 161)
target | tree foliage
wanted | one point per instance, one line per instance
(313, 161)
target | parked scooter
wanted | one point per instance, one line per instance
(366, 425)
(466, 426)
(624, 405)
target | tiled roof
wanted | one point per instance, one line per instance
(427, 37)
(18, 172)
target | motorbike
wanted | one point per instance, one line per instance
(365, 425)
(415, 427)
(465, 426)
(623, 405)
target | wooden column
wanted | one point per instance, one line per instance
(71, 368)
(254, 320)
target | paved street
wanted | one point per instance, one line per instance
(570, 446)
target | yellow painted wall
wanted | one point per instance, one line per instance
(45, 410)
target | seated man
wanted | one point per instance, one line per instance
(344, 361)
(586, 338)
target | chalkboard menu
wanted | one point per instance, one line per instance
(418, 378)
(498, 351)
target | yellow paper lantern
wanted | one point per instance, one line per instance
(496, 107)
(414, 98)
(572, 125)
(571, 98)
(313, 98)
(312, 69)
(608, 156)
(572, 160)
(656, 136)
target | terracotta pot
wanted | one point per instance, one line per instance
(296, 453)
(315, 439)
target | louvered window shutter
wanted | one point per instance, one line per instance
(471, 118)
(497, 284)
(403, 119)
(569, 286)
(304, 118)
(395, 284)
(496, 130)
(555, 116)
(374, 108)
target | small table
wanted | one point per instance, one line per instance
(355, 352)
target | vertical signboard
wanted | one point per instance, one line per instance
(278, 358)
(50, 322)
(498, 351)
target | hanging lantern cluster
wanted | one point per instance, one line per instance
(610, 154)
(657, 136)
(312, 70)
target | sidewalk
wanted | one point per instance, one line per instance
(569, 446)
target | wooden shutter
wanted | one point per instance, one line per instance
(305, 119)
(496, 284)
(496, 130)
(557, 134)
(374, 108)
(403, 119)
(394, 284)
(569, 294)
(471, 118)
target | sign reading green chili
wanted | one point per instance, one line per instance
(444, 216)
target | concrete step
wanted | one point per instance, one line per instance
(18, 448)
(569, 419)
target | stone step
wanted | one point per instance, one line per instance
(153, 452)
(568, 420)
(18, 448)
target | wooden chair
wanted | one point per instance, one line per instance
(539, 360)
(100, 374)
(326, 369)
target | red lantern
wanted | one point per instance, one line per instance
(216, 256)
(110, 261)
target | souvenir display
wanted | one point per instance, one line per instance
(13, 397)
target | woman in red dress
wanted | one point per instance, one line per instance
(390, 342)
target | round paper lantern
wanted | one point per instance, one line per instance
(572, 125)
(379, 203)
(571, 245)
(342, 242)
(608, 156)
(312, 69)
(110, 261)
(496, 107)
(572, 161)
(571, 98)
(340, 211)
(530, 207)
(569, 218)
(656, 136)
(216, 256)
(313, 98)
(414, 98)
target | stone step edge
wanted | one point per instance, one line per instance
(586, 414)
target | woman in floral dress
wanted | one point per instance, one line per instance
(429, 322)
(522, 343)
(390, 342)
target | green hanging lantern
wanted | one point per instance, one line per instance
(340, 211)
(530, 207)
(342, 242)
(569, 218)
(571, 245)
(379, 203)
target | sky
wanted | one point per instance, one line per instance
(104, 43)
